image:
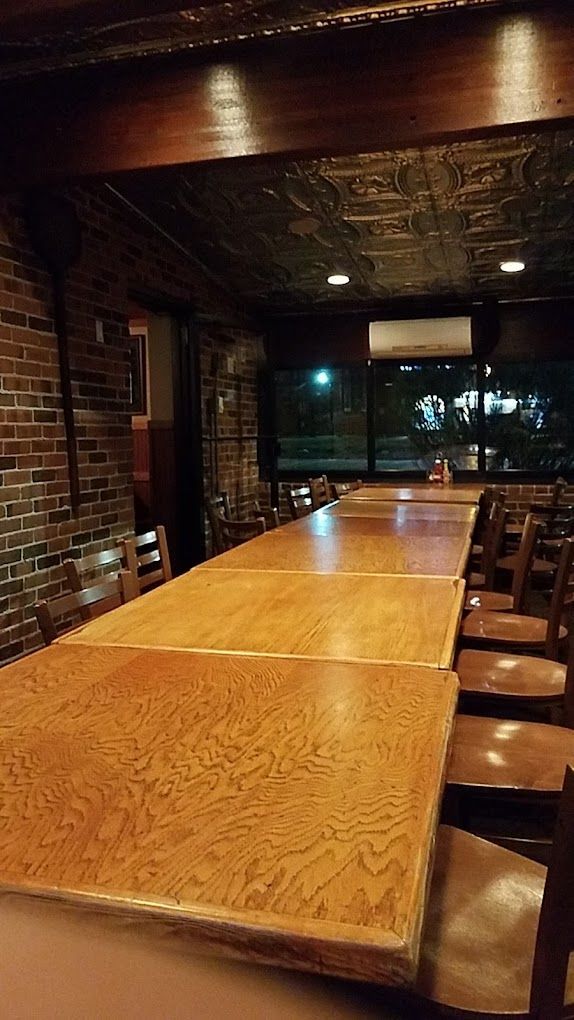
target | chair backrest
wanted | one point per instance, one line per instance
(492, 543)
(524, 558)
(299, 501)
(342, 488)
(558, 490)
(555, 935)
(270, 515)
(320, 491)
(49, 611)
(491, 496)
(562, 596)
(81, 573)
(217, 507)
(147, 556)
(235, 533)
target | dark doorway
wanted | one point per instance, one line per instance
(166, 424)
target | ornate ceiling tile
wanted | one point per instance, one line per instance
(410, 223)
(210, 23)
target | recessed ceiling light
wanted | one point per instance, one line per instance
(512, 266)
(338, 279)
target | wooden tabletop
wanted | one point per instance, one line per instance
(281, 811)
(372, 617)
(347, 507)
(380, 525)
(338, 552)
(423, 492)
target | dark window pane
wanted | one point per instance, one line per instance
(530, 416)
(321, 415)
(425, 409)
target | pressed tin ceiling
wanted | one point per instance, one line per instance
(205, 24)
(414, 223)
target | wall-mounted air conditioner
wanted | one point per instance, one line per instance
(421, 338)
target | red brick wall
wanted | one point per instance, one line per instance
(37, 528)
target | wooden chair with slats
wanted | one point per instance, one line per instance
(123, 588)
(491, 499)
(499, 928)
(147, 556)
(81, 573)
(270, 515)
(521, 761)
(217, 507)
(480, 592)
(527, 633)
(500, 681)
(320, 491)
(299, 501)
(234, 533)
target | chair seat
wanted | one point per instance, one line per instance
(505, 755)
(539, 566)
(507, 628)
(480, 927)
(491, 601)
(511, 676)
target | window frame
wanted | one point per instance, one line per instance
(372, 474)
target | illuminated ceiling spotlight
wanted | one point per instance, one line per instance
(338, 279)
(322, 378)
(512, 266)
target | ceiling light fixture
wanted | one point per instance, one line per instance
(338, 279)
(512, 266)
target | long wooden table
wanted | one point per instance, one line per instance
(356, 617)
(419, 492)
(276, 810)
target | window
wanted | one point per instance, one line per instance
(424, 409)
(421, 409)
(321, 417)
(529, 411)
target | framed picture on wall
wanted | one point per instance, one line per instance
(138, 388)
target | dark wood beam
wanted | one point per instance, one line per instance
(22, 19)
(408, 83)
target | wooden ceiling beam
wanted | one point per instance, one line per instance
(408, 83)
(24, 19)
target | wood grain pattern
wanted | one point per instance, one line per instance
(400, 524)
(468, 75)
(359, 554)
(347, 507)
(279, 810)
(377, 618)
(418, 493)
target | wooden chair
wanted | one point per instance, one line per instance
(234, 533)
(480, 593)
(527, 633)
(147, 556)
(216, 508)
(490, 498)
(342, 488)
(499, 928)
(510, 758)
(320, 491)
(124, 588)
(270, 515)
(84, 572)
(515, 684)
(299, 501)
